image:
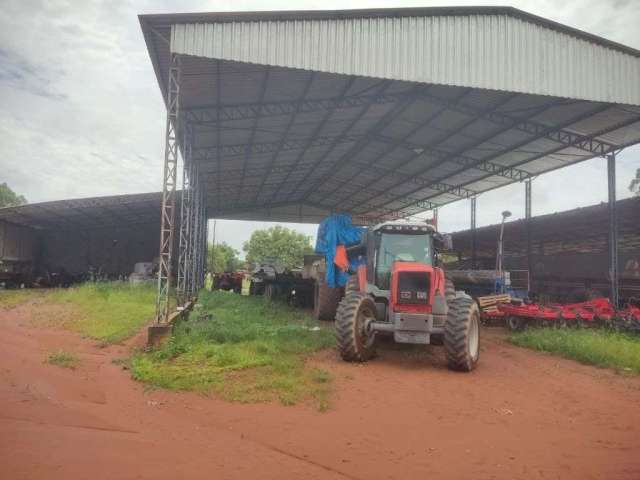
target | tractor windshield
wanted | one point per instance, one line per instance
(400, 247)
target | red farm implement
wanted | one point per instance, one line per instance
(596, 312)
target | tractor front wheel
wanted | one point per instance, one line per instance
(462, 334)
(355, 337)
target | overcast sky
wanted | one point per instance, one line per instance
(81, 113)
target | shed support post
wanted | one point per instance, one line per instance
(474, 244)
(527, 216)
(167, 220)
(195, 257)
(186, 241)
(613, 229)
(205, 245)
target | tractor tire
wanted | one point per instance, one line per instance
(355, 342)
(325, 301)
(352, 285)
(449, 290)
(462, 334)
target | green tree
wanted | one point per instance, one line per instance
(634, 186)
(8, 198)
(287, 245)
(222, 257)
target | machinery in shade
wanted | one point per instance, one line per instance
(380, 113)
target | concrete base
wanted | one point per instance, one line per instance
(157, 333)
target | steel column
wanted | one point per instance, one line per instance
(195, 258)
(613, 229)
(527, 216)
(185, 223)
(474, 244)
(167, 222)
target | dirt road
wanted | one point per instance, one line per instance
(519, 415)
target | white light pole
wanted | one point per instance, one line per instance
(499, 260)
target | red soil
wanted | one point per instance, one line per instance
(519, 415)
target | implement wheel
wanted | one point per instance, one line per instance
(462, 334)
(325, 301)
(356, 341)
(516, 324)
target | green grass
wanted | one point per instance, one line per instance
(13, 298)
(109, 312)
(249, 351)
(63, 359)
(602, 348)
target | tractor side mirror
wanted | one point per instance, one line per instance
(443, 241)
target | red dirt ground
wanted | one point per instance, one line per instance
(519, 415)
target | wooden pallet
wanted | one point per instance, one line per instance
(489, 303)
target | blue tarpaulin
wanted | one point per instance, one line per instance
(333, 231)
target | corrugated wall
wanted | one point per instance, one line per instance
(482, 51)
(114, 250)
(16, 242)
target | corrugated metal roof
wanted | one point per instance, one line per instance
(497, 52)
(87, 213)
(281, 136)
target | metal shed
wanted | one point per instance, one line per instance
(109, 234)
(565, 253)
(378, 113)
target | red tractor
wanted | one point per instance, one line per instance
(400, 290)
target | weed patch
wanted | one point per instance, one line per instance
(243, 348)
(63, 359)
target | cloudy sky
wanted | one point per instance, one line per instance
(81, 113)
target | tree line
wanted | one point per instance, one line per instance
(283, 243)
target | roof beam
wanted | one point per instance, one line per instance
(556, 150)
(386, 119)
(285, 135)
(208, 153)
(490, 167)
(505, 150)
(439, 141)
(381, 87)
(459, 192)
(209, 115)
(533, 128)
(348, 84)
(252, 135)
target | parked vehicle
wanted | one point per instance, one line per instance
(399, 289)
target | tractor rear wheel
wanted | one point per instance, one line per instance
(325, 301)
(449, 290)
(462, 334)
(355, 338)
(352, 285)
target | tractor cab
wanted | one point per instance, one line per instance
(392, 242)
